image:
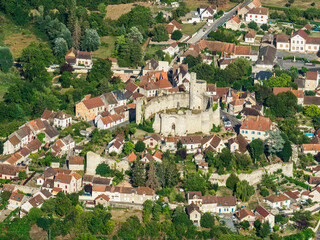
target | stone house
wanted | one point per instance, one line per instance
(76, 163)
(110, 101)
(266, 57)
(264, 215)
(207, 12)
(278, 201)
(203, 166)
(89, 108)
(15, 200)
(173, 26)
(298, 41)
(236, 106)
(110, 121)
(8, 172)
(282, 42)
(102, 200)
(250, 36)
(238, 144)
(151, 141)
(191, 143)
(172, 49)
(293, 195)
(153, 82)
(217, 144)
(258, 15)
(311, 80)
(245, 215)
(233, 23)
(194, 214)
(63, 146)
(78, 58)
(67, 183)
(59, 119)
(256, 127)
(147, 158)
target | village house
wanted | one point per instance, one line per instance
(59, 119)
(212, 203)
(76, 163)
(110, 101)
(293, 195)
(102, 200)
(238, 144)
(264, 216)
(194, 213)
(181, 75)
(207, 12)
(154, 65)
(67, 183)
(258, 15)
(314, 181)
(152, 141)
(278, 201)
(63, 146)
(203, 167)
(153, 82)
(115, 145)
(311, 81)
(157, 156)
(250, 36)
(233, 23)
(245, 215)
(217, 144)
(110, 121)
(172, 49)
(298, 41)
(15, 201)
(191, 143)
(8, 172)
(255, 127)
(173, 26)
(89, 108)
(78, 58)
(282, 42)
(313, 149)
(236, 106)
(36, 201)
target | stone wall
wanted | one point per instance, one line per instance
(160, 103)
(256, 176)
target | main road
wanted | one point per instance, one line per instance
(205, 30)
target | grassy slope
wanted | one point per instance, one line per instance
(301, 4)
(107, 47)
(189, 28)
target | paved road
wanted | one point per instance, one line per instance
(281, 54)
(235, 122)
(287, 64)
(205, 30)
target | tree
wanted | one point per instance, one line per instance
(286, 153)
(182, 153)
(179, 145)
(135, 35)
(147, 210)
(159, 18)
(257, 224)
(253, 25)
(6, 59)
(195, 182)
(256, 149)
(160, 33)
(168, 173)
(302, 219)
(192, 61)
(76, 35)
(264, 231)
(65, 79)
(245, 225)
(152, 179)
(244, 191)
(128, 148)
(156, 212)
(180, 217)
(232, 181)
(176, 35)
(264, 192)
(103, 169)
(278, 81)
(138, 174)
(265, 27)
(140, 146)
(91, 40)
(274, 141)
(22, 175)
(207, 220)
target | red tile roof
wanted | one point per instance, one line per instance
(311, 75)
(257, 123)
(132, 157)
(93, 103)
(277, 198)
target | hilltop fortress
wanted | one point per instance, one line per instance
(180, 114)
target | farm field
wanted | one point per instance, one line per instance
(116, 10)
(194, 5)
(189, 28)
(301, 4)
(107, 47)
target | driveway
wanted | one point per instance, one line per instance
(205, 30)
(281, 54)
(4, 214)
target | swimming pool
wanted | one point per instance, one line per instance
(309, 134)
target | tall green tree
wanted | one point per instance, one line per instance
(6, 59)
(90, 41)
(256, 149)
(160, 33)
(232, 181)
(168, 173)
(286, 153)
(138, 174)
(60, 47)
(244, 191)
(207, 220)
(152, 178)
(274, 141)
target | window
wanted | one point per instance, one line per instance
(252, 132)
(281, 45)
(246, 131)
(292, 41)
(259, 133)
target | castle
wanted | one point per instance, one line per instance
(180, 114)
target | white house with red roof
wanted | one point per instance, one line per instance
(207, 12)
(110, 121)
(278, 201)
(298, 41)
(115, 145)
(172, 49)
(256, 127)
(233, 23)
(264, 216)
(259, 15)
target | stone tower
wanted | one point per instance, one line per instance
(197, 99)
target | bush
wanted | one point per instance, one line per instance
(264, 192)
(176, 35)
(253, 25)
(242, 25)
(299, 183)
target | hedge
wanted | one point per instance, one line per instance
(299, 183)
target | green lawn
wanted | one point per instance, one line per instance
(315, 34)
(107, 47)
(6, 79)
(151, 49)
(190, 29)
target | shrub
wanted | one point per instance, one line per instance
(176, 35)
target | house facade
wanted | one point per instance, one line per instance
(258, 15)
(278, 201)
(89, 108)
(255, 127)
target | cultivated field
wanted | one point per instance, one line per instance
(301, 4)
(107, 47)
(115, 11)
